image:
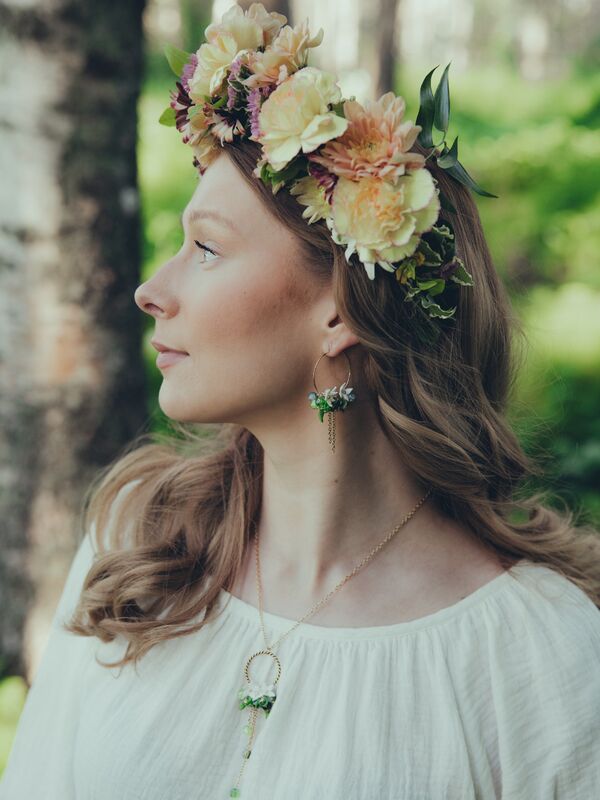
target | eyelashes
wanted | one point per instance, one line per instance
(204, 247)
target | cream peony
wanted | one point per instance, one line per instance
(236, 33)
(296, 116)
(254, 28)
(214, 61)
(382, 221)
(376, 143)
(288, 54)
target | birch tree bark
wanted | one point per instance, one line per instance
(71, 377)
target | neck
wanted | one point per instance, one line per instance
(322, 512)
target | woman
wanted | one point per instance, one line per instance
(453, 641)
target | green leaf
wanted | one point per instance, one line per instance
(168, 117)
(432, 259)
(461, 275)
(220, 102)
(426, 111)
(424, 285)
(449, 157)
(338, 108)
(438, 288)
(177, 58)
(442, 103)
(435, 310)
(460, 174)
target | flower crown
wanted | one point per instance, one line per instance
(348, 164)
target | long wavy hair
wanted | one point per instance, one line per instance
(174, 515)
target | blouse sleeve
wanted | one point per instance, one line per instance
(40, 762)
(547, 681)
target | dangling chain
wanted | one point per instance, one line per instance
(331, 416)
(258, 696)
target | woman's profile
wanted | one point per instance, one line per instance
(345, 591)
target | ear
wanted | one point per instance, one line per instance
(339, 337)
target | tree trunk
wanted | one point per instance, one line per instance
(73, 388)
(387, 49)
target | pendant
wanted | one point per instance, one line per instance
(259, 695)
(255, 695)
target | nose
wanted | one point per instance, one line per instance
(142, 300)
(153, 300)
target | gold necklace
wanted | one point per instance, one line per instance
(257, 696)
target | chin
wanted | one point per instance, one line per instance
(177, 408)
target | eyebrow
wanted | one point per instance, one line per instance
(195, 214)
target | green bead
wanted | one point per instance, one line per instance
(234, 792)
(247, 730)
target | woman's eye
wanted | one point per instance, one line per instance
(205, 249)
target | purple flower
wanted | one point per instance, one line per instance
(180, 102)
(324, 178)
(188, 71)
(254, 104)
(231, 96)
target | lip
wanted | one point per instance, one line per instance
(167, 358)
(163, 348)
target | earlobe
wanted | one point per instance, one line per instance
(342, 339)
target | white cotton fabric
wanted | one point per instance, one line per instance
(496, 696)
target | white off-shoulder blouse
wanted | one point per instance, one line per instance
(496, 696)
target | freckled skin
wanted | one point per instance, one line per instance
(243, 317)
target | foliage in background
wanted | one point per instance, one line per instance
(536, 146)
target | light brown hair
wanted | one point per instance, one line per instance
(179, 532)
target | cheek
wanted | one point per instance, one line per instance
(248, 341)
(243, 315)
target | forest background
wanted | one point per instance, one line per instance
(90, 206)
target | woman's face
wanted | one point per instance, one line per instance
(249, 317)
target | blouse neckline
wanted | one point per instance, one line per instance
(244, 610)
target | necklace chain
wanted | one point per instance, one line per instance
(267, 694)
(356, 569)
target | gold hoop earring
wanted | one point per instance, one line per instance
(331, 400)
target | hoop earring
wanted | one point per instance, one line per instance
(331, 400)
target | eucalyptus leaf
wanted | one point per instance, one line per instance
(460, 174)
(177, 58)
(450, 157)
(168, 117)
(426, 111)
(442, 103)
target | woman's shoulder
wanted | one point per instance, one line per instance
(542, 649)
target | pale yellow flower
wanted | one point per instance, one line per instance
(383, 221)
(238, 32)
(376, 143)
(197, 125)
(296, 116)
(206, 150)
(245, 29)
(288, 54)
(214, 61)
(309, 193)
(270, 21)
